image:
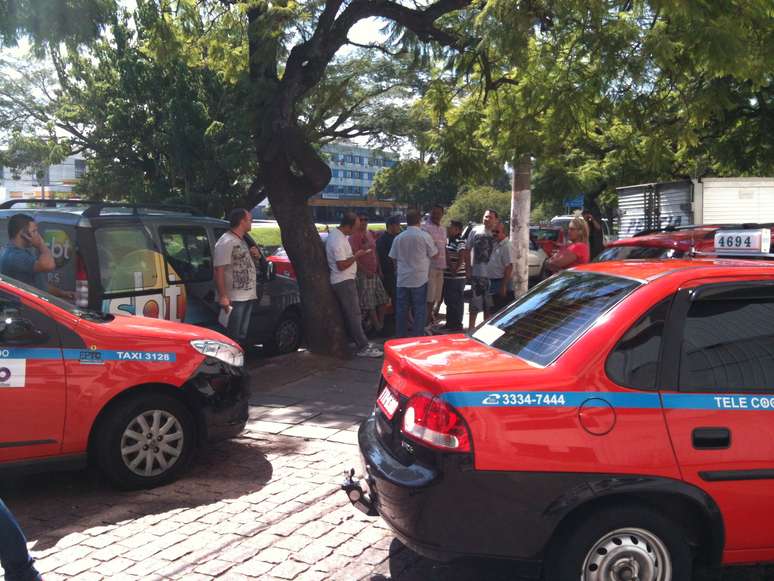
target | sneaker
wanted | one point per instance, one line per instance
(370, 351)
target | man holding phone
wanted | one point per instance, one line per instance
(17, 259)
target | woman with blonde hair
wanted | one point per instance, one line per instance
(577, 251)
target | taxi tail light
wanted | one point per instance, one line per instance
(81, 283)
(432, 421)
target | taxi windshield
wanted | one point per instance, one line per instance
(83, 313)
(545, 321)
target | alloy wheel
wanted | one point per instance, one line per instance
(152, 443)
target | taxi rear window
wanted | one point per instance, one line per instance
(545, 321)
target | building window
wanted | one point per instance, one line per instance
(80, 168)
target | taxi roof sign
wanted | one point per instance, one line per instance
(743, 242)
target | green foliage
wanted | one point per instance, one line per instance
(415, 183)
(164, 121)
(471, 204)
(604, 93)
(53, 21)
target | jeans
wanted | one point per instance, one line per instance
(15, 559)
(453, 296)
(416, 298)
(239, 320)
(346, 293)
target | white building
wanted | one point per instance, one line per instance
(58, 183)
(352, 172)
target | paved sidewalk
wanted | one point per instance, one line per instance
(263, 506)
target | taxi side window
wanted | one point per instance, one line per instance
(728, 344)
(634, 361)
(188, 253)
(128, 260)
(20, 325)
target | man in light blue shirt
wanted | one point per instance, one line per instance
(412, 250)
(17, 259)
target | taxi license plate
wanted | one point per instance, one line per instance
(387, 402)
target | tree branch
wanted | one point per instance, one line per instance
(378, 47)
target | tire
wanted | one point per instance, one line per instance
(590, 548)
(287, 335)
(123, 456)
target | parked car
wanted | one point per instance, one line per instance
(610, 424)
(134, 395)
(670, 242)
(281, 261)
(564, 221)
(154, 261)
(549, 238)
(537, 261)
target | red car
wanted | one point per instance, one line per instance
(135, 395)
(281, 262)
(549, 238)
(614, 423)
(669, 243)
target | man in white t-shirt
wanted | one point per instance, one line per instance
(235, 274)
(438, 263)
(342, 263)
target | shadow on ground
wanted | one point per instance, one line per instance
(405, 565)
(54, 505)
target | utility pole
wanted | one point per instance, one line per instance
(521, 195)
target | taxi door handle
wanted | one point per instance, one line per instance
(711, 438)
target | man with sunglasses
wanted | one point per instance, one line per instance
(500, 268)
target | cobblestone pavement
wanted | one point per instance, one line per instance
(263, 506)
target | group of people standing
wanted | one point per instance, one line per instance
(427, 264)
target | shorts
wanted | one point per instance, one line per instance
(481, 299)
(371, 292)
(435, 285)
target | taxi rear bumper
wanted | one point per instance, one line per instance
(449, 510)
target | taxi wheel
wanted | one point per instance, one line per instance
(145, 440)
(287, 334)
(612, 545)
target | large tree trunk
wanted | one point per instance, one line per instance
(520, 207)
(323, 323)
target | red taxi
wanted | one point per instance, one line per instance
(614, 423)
(135, 395)
(671, 242)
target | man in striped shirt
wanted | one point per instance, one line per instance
(454, 277)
